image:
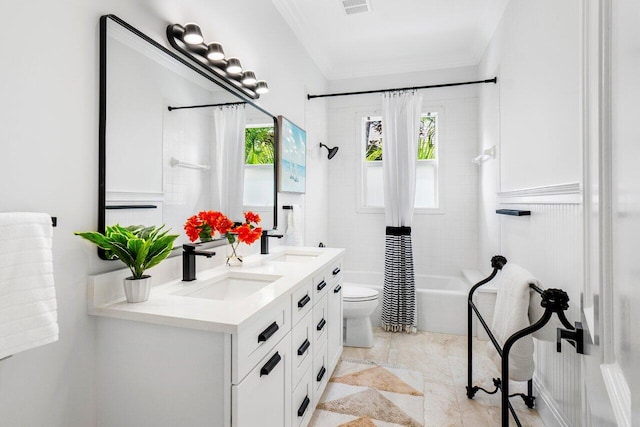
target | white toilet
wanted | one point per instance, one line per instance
(358, 304)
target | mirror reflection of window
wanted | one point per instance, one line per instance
(259, 168)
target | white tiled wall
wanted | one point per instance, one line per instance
(444, 243)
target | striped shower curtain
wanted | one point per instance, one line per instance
(400, 130)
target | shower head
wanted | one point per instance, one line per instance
(332, 151)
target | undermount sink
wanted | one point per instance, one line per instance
(295, 257)
(230, 286)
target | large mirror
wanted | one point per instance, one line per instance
(167, 133)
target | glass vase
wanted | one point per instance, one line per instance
(234, 255)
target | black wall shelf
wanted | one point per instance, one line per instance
(513, 212)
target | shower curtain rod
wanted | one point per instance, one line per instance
(362, 92)
(206, 105)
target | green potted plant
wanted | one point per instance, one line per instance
(139, 248)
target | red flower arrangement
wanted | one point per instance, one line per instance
(205, 224)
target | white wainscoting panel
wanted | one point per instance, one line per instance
(549, 243)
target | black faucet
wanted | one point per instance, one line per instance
(264, 241)
(189, 254)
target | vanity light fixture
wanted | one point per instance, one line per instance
(233, 66)
(249, 78)
(332, 151)
(261, 87)
(215, 52)
(188, 40)
(192, 34)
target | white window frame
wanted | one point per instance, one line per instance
(438, 110)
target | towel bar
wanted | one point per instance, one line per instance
(554, 301)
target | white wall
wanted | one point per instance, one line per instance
(49, 140)
(625, 135)
(534, 117)
(443, 243)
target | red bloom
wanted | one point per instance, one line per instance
(247, 234)
(252, 217)
(205, 224)
(192, 227)
(223, 224)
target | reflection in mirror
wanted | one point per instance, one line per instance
(212, 150)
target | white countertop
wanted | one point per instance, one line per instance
(106, 295)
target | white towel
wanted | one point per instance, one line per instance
(510, 315)
(293, 231)
(28, 307)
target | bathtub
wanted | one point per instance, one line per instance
(441, 300)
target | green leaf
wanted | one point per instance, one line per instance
(138, 247)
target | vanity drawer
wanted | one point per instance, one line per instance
(257, 336)
(302, 401)
(260, 399)
(320, 286)
(302, 346)
(301, 302)
(320, 372)
(335, 270)
(320, 321)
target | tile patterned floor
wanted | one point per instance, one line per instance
(442, 359)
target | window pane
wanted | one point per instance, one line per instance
(373, 186)
(258, 185)
(373, 139)
(426, 187)
(258, 147)
(427, 141)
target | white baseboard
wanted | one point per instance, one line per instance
(547, 407)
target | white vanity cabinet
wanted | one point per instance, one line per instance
(310, 345)
(175, 360)
(262, 398)
(334, 304)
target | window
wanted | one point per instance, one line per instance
(259, 155)
(426, 170)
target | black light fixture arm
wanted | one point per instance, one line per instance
(363, 92)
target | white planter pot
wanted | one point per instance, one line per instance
(137, 290)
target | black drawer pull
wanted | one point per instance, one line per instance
(267, 333)
(272, 363)
(321, 285)
(321, 374)
(336, 271)
(337, 289)
(321, 324)
(303, 408)
(305, 299)
(305, 345)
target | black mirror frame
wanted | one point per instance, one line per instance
(102, 122)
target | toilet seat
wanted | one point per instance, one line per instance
(353, 293)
